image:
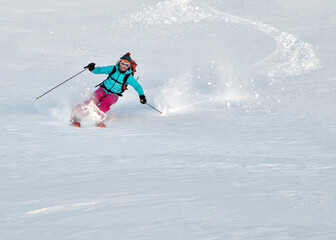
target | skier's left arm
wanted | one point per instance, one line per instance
(136, 85)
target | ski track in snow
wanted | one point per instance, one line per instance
(62, 208)
(296, 56)
(91, 204)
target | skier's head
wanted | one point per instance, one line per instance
(125, 62)
(126, 58)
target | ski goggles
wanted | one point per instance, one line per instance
(124, 64)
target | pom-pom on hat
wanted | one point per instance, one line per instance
(127, 57)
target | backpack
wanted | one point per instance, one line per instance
(133, 66)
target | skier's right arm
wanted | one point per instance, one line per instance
(99, 70)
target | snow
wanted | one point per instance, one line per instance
(245, 148)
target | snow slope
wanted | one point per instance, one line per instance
(245, 148)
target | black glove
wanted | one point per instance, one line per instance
(143, 99)
(91, 66)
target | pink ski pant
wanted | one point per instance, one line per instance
(102, 99)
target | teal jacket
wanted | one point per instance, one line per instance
(115, 85)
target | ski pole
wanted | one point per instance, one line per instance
(148, 103)
(154, 108)
(61, 84)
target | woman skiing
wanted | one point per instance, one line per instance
(119, 76)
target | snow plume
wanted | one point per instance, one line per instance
(214, 82)
(176, 95)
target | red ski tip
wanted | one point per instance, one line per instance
(76, 124)
(101, 125)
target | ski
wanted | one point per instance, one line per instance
(101, 125)
(76, 124)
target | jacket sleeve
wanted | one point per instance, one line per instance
(135, 84)
(102, 70)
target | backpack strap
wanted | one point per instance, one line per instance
(124, 85)
(109, 76)
(126, 77)
(112, 72)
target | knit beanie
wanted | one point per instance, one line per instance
(127, 57)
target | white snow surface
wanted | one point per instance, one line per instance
(245, 149)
